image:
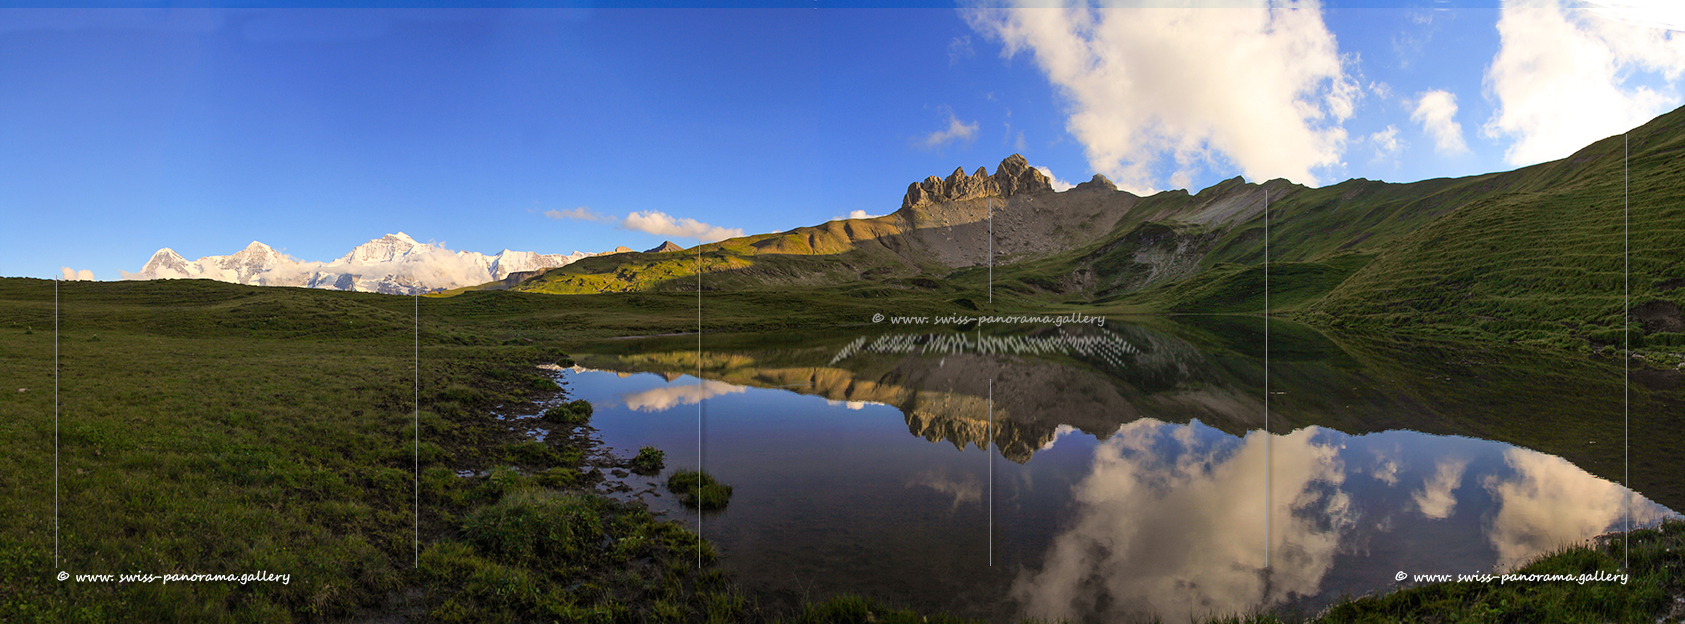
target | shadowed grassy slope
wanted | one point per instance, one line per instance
(1239, 289)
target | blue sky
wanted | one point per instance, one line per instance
(125, 131)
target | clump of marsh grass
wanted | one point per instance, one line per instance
(699, 489)
(572, 413)
(650, 460)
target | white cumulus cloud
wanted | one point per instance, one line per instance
(581, 213)
(1058, 184)
(1668, 14)
(1565, 77)
(1386, 142)
(653, 222)
(856, 214)
(1263, 86)
(72, 275)
(1437, 112)
(956, 131)
(661, 224)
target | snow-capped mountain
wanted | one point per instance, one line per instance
(507, 261)
(393, 264)
(385, 249)
(242, 267)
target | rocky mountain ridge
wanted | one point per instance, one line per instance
(1013, 176)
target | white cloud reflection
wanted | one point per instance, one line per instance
(1386, 466)
(966, 489)
(1170, 522)
(1435, 499)
(1550, 503)
(659, 399)
(1058, 432)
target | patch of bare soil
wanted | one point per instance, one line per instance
(1658, 316)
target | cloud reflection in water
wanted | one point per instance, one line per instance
(1170, 522)
(965, 488)
(658, 399)
(1436, 499)
(1551, 502)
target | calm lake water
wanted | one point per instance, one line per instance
(1111, 473)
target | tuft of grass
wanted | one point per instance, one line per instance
(530, 526)
(571, 414)
(650, 460)
(699, 490)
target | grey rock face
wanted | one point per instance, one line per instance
(1012, 177)
(1097, 183)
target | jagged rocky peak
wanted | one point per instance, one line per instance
(665, 247)
(1225, 186)
(1098, 182)
(1013, 176)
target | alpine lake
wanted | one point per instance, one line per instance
(1126, 470)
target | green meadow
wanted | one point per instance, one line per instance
(209, 428)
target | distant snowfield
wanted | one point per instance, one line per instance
(391, 264)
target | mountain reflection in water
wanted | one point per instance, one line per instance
(1138, 470)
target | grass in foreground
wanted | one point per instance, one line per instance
(1652, 594)
(215, 428)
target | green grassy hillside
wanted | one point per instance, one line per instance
(1544, 263)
